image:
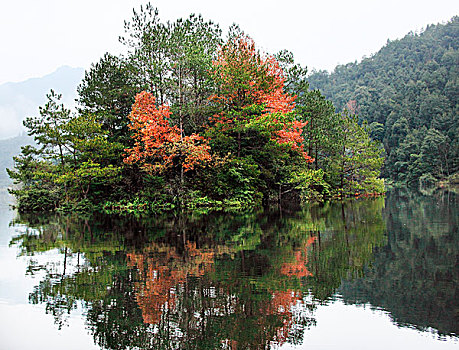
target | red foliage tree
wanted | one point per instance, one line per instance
(157, 143)
(246, 77)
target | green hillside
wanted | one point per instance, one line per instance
(408, 92)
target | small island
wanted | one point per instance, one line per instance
(188, 120)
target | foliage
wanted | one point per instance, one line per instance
(172, 61)
(72, 161)
(107, 91)
(246, 79)
(356, 164)
(157, 144)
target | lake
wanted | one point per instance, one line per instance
(359, 274)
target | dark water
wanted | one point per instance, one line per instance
(362, 274)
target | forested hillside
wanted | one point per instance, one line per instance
(408, 93)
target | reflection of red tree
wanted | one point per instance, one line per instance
(299, 268)
(282, 303)
(161, 270)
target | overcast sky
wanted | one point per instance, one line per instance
(38, 36)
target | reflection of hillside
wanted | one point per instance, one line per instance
(415, 276)
(344, 243)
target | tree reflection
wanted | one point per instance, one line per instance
(200, 282)
(208, 297)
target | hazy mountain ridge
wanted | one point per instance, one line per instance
(8, 149)
(19, 100)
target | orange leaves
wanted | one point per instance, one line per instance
(160, 271)
(151, 131)
(292, 135)
(279, 102)
(195, 150)
(157, 143)
(246, 77)
(299, 268)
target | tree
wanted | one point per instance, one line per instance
(246, 79)
(191, 47)
(37, 168)
(172, 61)
(158, 144)
(47, 129)
(146, 37)
(435, 150)
(34, 179)
(108, 91)
(320, 131)
(74, 156)
(356, 164)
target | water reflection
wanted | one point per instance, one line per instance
(415, 276)
(220, 281)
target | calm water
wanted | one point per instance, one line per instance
(363, 274)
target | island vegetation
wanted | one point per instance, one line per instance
(187, 119)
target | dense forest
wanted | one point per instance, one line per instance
(188, 119)
(408, 94)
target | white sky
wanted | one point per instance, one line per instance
(38, 36)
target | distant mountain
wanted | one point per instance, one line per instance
(19, 100)
(408, 93)
(8, 149)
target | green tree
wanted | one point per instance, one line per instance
(48, 130)
(108, 91)
(356, 164)
(173, 61)
(191, 47)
